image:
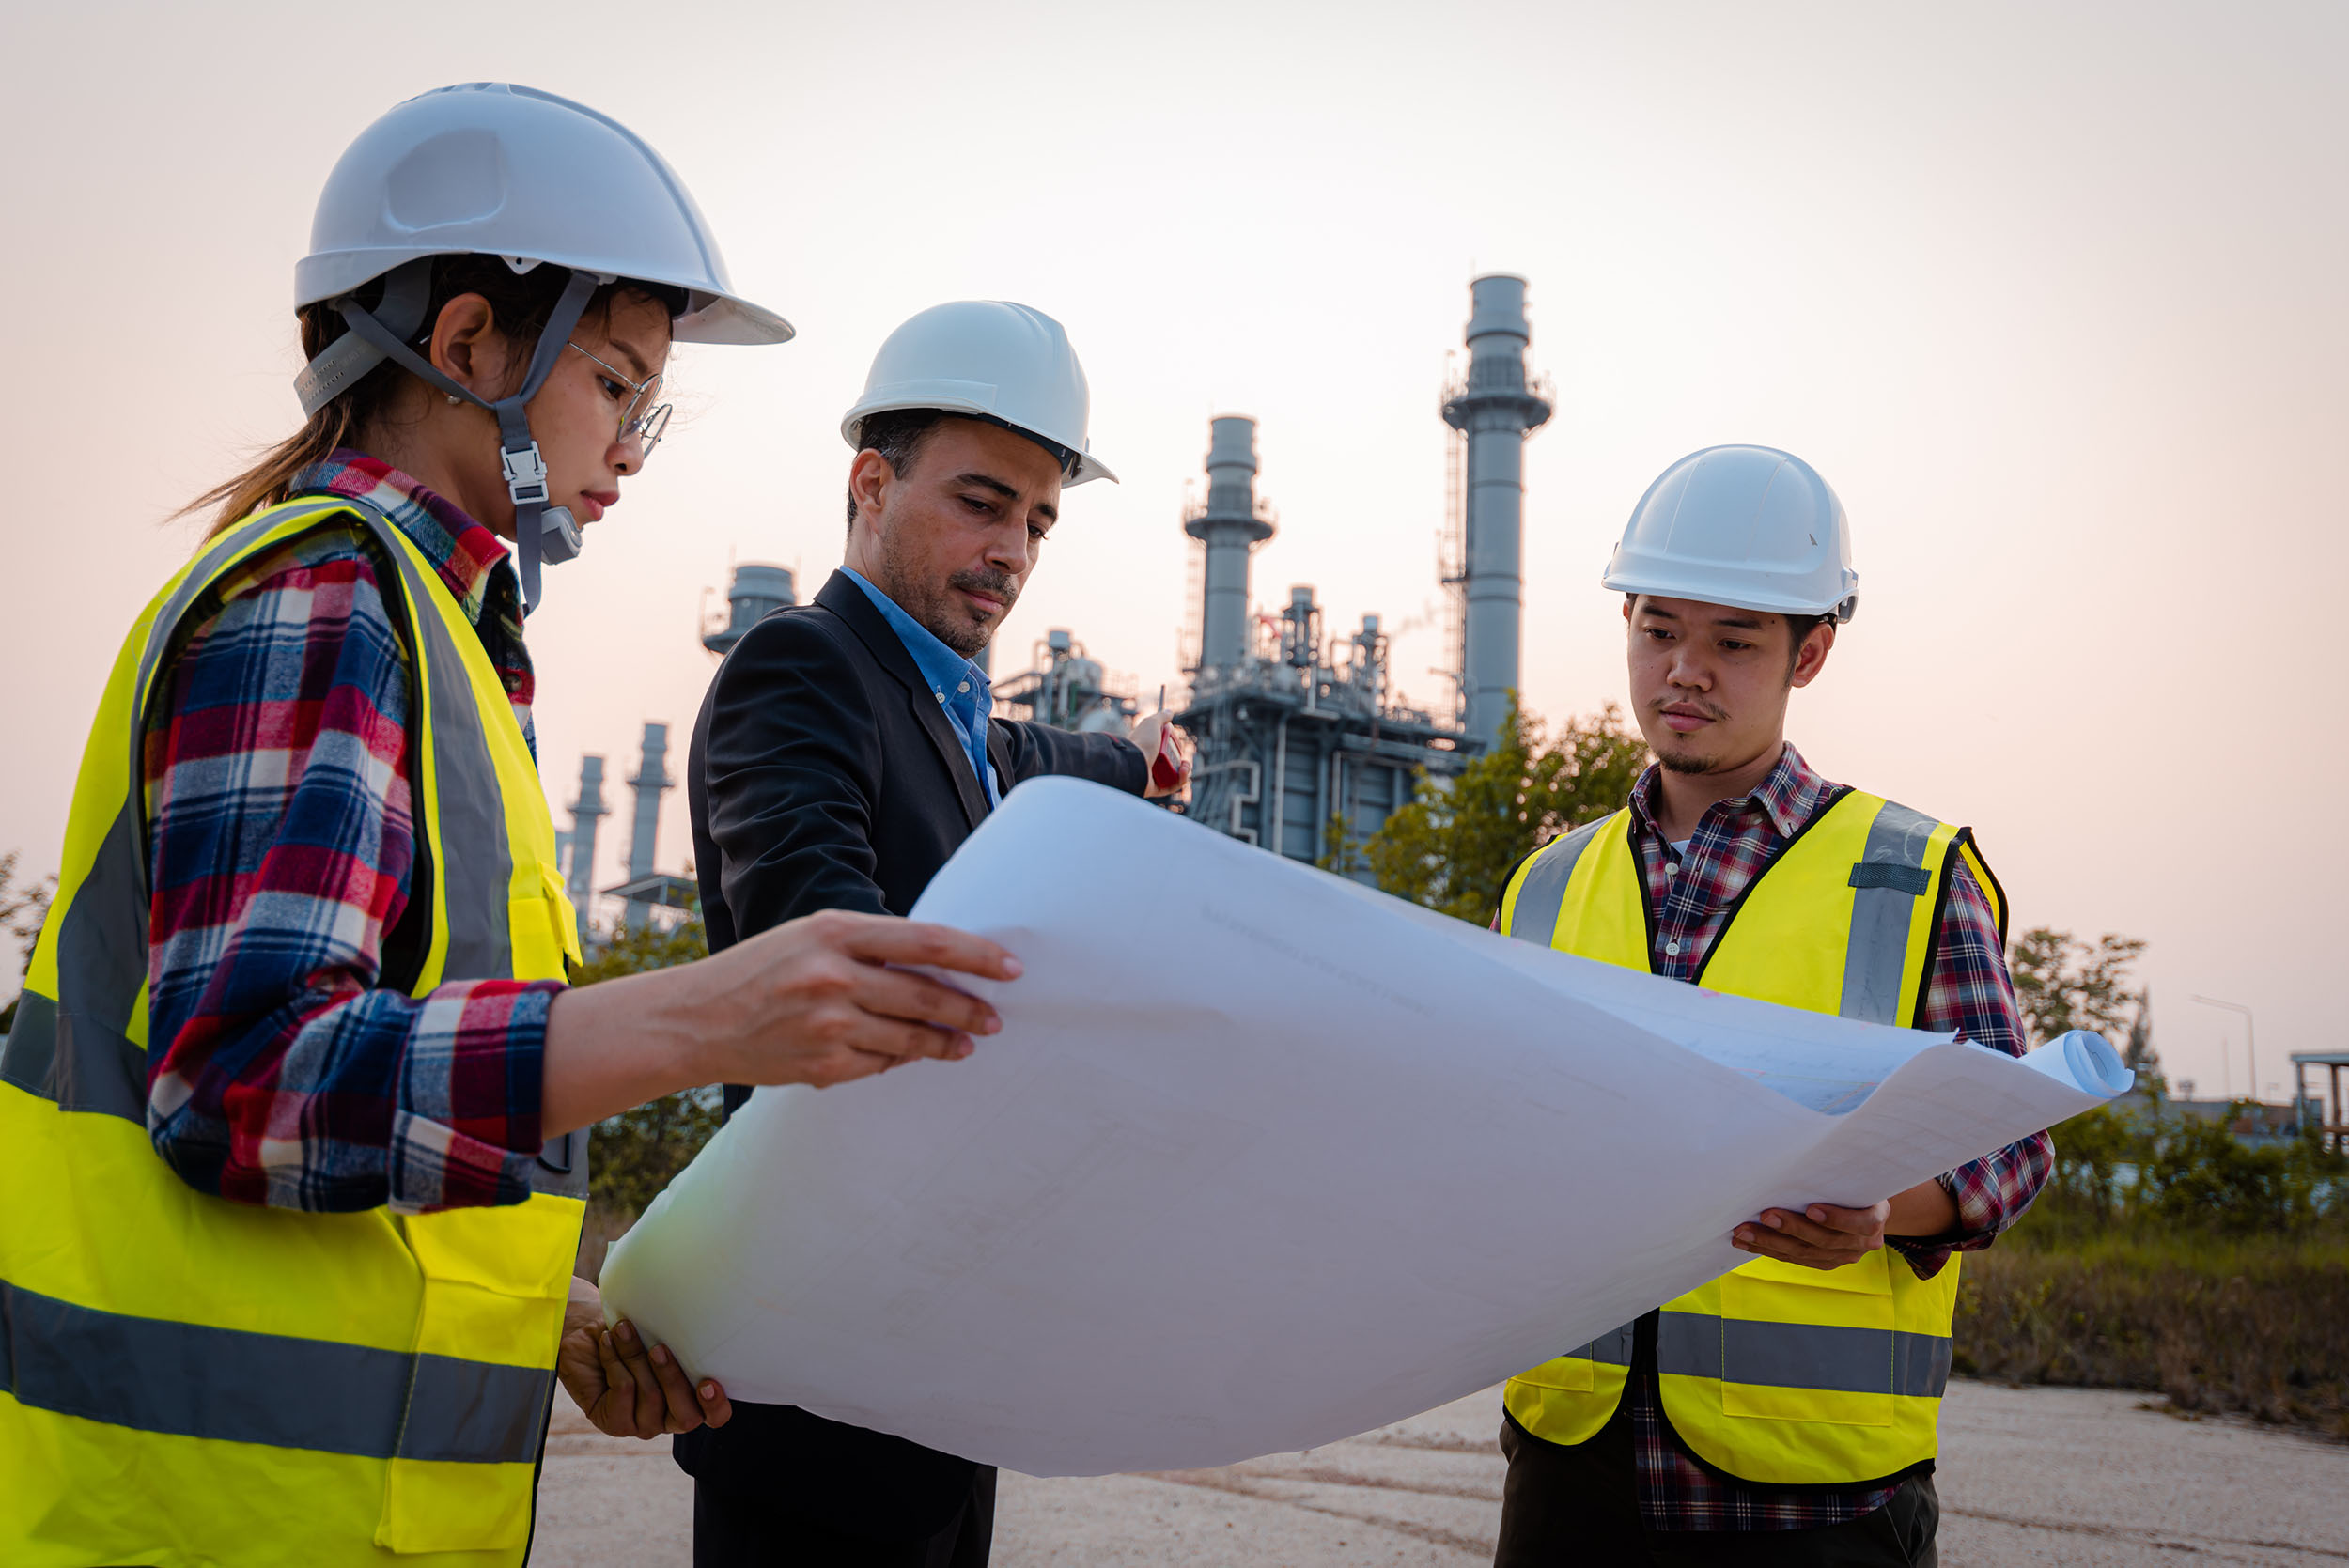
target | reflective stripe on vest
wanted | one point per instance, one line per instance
(1773, 1372)
(1824, 1357)
(175, 1368)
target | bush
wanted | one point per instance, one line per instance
(2169, 1256)
(2134, 1165)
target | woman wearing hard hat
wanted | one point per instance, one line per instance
(295, 1078)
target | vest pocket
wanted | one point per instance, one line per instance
(1805, 1345)
(543, 929)
(495, 1281)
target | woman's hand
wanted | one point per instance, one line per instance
(624, 1389)
(819, 1001)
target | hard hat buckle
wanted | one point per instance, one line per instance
(525, 474)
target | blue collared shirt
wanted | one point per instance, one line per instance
(961, 688)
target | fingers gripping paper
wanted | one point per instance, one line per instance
(1262, 1160)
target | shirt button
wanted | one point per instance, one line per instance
(964, 687)
(1671, 949)
(1671, 868)
(940, 695)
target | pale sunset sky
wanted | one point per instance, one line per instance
(2052, 295)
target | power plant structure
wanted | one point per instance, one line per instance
(1066, 689)
(755, 592)
(646, 888)
(1302, 746)
(1299, 747)
(576, 846)
(1492, 410)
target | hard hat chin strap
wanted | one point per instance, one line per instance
(541, 533)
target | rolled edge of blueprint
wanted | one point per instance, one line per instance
(2084, 1060)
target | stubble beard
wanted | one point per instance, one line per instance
(1684, 762)
(939, 610)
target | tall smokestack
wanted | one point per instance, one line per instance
(586, 813)
(1230, 527)
(651, 780)
(1495, 408)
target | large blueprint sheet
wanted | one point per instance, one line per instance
(1262, 1160)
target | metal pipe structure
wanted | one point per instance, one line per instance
(1496, 408)
(651, 782)
(1231, 527)
(586, 813)
(1276, 837)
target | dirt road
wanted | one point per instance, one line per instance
(2027, 1476)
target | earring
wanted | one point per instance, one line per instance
(453, 399)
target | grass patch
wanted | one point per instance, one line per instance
(2254, 1325)
(2168, 1256)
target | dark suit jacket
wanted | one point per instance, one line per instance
(824, 776)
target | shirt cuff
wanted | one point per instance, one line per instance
(1133, 765)
(1976, 1228)
(465, 1129)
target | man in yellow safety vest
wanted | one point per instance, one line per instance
(1786, 1412)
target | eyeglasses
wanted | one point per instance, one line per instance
(650, 424)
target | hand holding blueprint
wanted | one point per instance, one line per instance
(1263, 1158)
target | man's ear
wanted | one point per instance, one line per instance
(869, 479)
(1812, 657)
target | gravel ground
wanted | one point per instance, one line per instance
(2059, 1476)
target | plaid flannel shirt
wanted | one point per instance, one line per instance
(1692, 892)
(278, 769)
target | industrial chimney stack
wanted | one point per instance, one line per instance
(1494, 408)
(651, 780)
(587, 812)
(1231, 527)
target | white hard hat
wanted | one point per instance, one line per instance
(991, 360)
(488, 168)
(1749, 526)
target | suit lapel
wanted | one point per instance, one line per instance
(844, 598)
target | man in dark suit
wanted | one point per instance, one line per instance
(844, 749)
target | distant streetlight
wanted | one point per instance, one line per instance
(2251, 1037)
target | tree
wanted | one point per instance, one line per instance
(632, 1155)
(2062, 983)
(23, 908)
(1452, 847)
(2139, 1056)
(634, 950)
(1339, 852)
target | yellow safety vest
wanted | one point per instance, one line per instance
(1773, 1374)
(190, 1381)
